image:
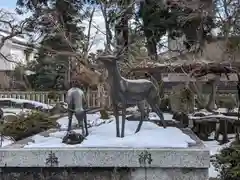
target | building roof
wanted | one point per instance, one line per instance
(179, 68)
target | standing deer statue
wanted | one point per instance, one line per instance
(75, 100)
(129, 92)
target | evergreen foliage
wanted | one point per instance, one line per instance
(227, 162)
(28, 125)
(159, 18)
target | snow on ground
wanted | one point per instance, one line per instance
(92, 120)
(214, 148)
(7, 141)
(150, 136)
(35, 103)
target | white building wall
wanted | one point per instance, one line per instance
(5, 50)
(15, 53)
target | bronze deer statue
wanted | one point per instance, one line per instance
(75, 100)
(126, 91)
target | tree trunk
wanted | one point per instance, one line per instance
(200, 99)
(121, 29)
(107, 19)
(212, 99)
(88, 45)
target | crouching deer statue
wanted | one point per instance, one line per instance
(75, 100)
(125, 92)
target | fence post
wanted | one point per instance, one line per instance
(100, 96)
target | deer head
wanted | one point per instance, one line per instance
(108, 60)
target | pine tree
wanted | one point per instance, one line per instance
(58, 22)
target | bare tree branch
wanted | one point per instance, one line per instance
(87, 43)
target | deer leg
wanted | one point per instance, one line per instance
(116, 114)
(70, 115)
(85, 123)
(143, 115)
(80, 118)
(156, 109)
(123, 119)
(83, 129)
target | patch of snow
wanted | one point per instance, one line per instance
(7, 111)
(167, 116)
(28, 72)
(203, 111)
(137, 81)
(215, 32)
(7, 141)
(224, 110)
(132, 109)
(214, 116)
(150, 136)
(35, 103)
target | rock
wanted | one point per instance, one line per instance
(73, 138)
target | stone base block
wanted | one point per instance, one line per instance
(190, 163)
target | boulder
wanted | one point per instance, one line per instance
(73, 138)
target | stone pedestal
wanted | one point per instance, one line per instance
(190, 163)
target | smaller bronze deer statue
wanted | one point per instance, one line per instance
(125, 92)
(75, 100)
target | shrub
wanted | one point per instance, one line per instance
(165, 104)
(28, 125)
(227, 162)
(186, 95)
(53, 95)
(104, 114)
